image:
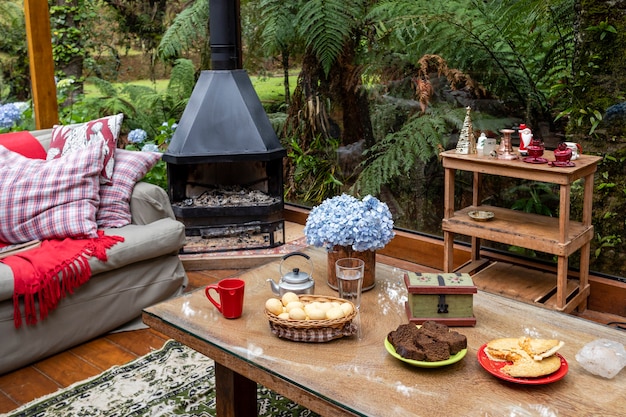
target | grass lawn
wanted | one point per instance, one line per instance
(269, 89)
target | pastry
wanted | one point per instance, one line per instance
(540, 348)
(530, 368)
(529, 357)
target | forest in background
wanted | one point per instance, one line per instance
(382, 87)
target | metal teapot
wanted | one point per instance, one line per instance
(295, 280)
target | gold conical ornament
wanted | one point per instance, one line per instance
(467, 140)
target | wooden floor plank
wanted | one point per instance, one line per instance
(24, 385)
(102, 353)
(66, 368)
(138, 342)
(6, 403)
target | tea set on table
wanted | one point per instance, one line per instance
(295, 312)
(230, 291)
(227, 294)
(531, 149)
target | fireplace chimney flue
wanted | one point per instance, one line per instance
(225, 34)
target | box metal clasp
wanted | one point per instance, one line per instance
(442, 307)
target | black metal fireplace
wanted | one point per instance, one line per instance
(225, 162)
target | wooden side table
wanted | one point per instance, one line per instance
(560, 237)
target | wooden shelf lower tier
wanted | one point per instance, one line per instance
(528, 285)
(527, 230)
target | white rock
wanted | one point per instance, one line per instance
(602, 357)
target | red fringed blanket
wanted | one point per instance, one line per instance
(53, 270)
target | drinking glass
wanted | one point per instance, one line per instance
(349, 273)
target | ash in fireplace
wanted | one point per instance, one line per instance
(229, 196)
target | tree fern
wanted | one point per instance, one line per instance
(182, 79)
(517, 49)
(153, 107)
(420, 139)
(326, 24)
(188, 26)
(108, 100)
(279, 24)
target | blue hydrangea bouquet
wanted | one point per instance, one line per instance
(344, 220)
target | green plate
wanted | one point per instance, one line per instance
(424, 364)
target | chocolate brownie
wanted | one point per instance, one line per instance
(403, 340)
(434, 327)
(405, 333)
(455, 340)
(431, 342)
(435, 351)
(410, 351)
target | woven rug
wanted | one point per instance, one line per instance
(172, 381)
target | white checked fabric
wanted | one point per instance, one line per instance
(49, 199)
(130, 167)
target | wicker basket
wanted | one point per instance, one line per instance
(313, 330)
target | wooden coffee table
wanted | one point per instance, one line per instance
(359, 377)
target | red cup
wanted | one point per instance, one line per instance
(230, 291)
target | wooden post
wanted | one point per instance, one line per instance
(39, 38)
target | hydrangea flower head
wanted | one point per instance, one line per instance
(150, 147)
(9, 115)
(347, 221)
(137, 136)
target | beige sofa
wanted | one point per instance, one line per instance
(141, 271)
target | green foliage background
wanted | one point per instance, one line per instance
(523, 55)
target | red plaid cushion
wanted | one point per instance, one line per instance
(49, 199)
(67, 139)
(130, 167)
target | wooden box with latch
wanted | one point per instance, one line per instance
(442, 297)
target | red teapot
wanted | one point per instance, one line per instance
(535, 149)
(562, 153)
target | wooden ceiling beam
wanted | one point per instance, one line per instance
(39, 38)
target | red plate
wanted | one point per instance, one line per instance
(493, 367)
(532, 160)
(562, 164)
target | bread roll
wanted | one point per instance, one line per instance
(274, 306)
(335, 313)
(297, 314)
(289, 297)
(294, 304)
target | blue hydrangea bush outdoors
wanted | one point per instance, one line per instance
(344, 220)
(138, 138)
(10, 115)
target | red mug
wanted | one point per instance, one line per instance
(230, 291)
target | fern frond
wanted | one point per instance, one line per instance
(187, 27)
(182, 79)
(419, 139)
(115, 105)
(278, 21)
(104, 87)
(325, 26)
(138, 92)
(516, 49)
